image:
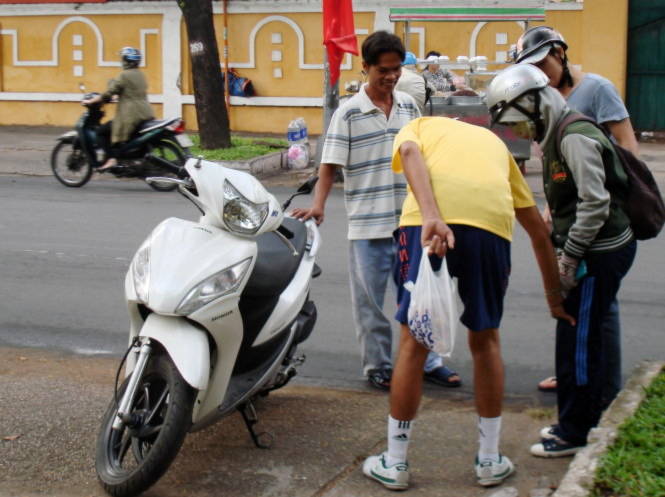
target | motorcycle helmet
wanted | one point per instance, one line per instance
(536, 43)
(513, 97)
(131, 57)
(409, 59)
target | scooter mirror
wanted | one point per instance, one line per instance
(308, 185)
(165, 182)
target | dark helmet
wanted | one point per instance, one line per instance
(130, 56)
(537, 43)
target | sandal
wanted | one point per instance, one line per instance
(379, 378)
(442, 376)
(548, 384)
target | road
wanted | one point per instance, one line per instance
(65, 253)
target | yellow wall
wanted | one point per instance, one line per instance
(34, 35)
(597, 36)
(264, 119)
(51, 113)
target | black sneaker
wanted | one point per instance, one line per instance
(554, 447)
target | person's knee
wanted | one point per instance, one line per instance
(484, 341)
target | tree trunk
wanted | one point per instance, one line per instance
(211, 113)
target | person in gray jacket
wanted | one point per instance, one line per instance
(596, 97)
(585, 185)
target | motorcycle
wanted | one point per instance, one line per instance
(217, 310)
(155, 148)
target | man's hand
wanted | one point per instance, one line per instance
(555, 303)
(305, 214)
(437, 236)
(567, 269)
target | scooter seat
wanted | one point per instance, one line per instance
(154, 124)
(275, 263)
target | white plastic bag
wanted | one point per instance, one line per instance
(298, 156)
(432, 312)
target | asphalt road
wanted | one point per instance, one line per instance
(65, 253)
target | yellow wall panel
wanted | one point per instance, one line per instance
(34, 39)
(50, 113)
(264, 119)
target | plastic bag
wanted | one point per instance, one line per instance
(298, 156)
(432, 314)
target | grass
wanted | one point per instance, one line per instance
(242, 148)
(634, 466)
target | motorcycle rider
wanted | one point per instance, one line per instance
(133, 108)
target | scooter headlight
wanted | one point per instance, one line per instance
(240, 214)
(141, 272)
(214, 287)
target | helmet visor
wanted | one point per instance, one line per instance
(534, 57)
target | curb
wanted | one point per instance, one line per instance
(579, 479)
(264, 165)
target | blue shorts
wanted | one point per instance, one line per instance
(480, 262)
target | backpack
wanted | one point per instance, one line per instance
(644, 203)
(239, 86)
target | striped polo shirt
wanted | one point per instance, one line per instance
(360, 139)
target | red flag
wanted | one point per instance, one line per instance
(339, 34)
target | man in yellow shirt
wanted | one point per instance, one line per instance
(465, 191)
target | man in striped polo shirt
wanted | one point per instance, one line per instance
(360, 139)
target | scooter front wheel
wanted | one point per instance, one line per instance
(70, 165)
(134, 456)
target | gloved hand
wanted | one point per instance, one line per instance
(567, 270)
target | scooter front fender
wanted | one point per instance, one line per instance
(69, 137)
(187, 346)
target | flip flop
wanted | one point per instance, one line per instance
(379, 378)
(548, 384)
(441, 376)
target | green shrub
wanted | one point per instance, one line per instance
(634, 465)
(242, 148)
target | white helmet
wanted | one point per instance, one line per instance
(507, 94)
(513, 96)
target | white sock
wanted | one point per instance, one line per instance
(489, 430)
(399, 434)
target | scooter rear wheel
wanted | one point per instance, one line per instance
(131, 459)
(70, 166)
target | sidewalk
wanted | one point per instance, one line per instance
(321, 436)
(26, 150)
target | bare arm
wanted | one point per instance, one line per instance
(532, 222)
(435, 232)
(623, 133)
(321, 192)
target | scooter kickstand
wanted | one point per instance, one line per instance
(248, 413)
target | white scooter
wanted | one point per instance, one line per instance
(217, 309)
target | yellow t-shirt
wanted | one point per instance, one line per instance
(474, 177)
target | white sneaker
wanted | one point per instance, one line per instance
(395, 477)
(491, 472)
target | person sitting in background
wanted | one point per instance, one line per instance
(412, 83)
(440, 78)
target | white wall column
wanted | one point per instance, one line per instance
(171, 64)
